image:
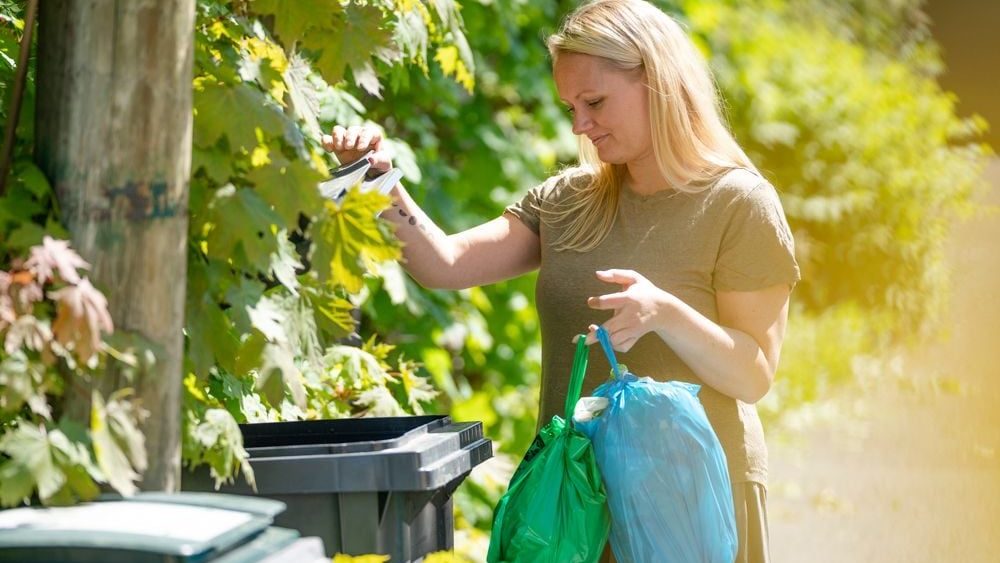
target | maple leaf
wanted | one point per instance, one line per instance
(285, 262)
(119, 446)
(216, 104)
(55, 256)
(349, 43)
(378, 401)
(24, 291)
(292, 19)
(29, 332)
(216, 440)
(81, 315)
(290, 186)
(241, 223)
(23, 381)
(349, 241)
(28, 465)
(418, 389)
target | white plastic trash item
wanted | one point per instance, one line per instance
(589, 408)
(355, 174)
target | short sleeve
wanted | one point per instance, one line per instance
(757, 249)
(528, 208)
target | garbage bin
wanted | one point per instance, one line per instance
(155, 527)
(363, 485)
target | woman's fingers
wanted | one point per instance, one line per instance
(622, 339)
(369, 139)
(624, 277)
(337, 138)
(609, 301)
(351, 138)
(351, 143)
(380, 161)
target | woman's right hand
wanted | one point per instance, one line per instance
(351, 143)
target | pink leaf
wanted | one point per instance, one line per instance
(55, 256)
(81, 315)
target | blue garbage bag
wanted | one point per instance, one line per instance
(663, 469)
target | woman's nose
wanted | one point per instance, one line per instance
(581, 123)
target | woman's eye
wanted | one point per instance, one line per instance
(595, 103)
(569, 110)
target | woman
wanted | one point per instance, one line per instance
(665, 233)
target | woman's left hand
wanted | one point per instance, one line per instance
(638, 307)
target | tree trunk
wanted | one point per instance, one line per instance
(113, 135)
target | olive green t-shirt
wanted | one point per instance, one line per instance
(732, 236)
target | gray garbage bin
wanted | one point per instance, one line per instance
(365, 485)
(154, 527)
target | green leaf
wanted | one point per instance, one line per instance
(32, 178)
(241, 297)
(416, 388)
(211, 338)
(74, 459)
(114, 452)
(285, 262)
(292, 19)
(216, 163)
(216, 440)
(333, 313)
(29, 465)
(268, 317)
(21, 381)
(290, 186)
(348, 240)
(350, 42)
(273, 320)
(216, 104)
(251, 353)
(241, 228)
(24, 236)
(278, 357)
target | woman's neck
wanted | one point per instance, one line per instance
(644, 177)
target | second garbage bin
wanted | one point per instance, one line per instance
(363, 485)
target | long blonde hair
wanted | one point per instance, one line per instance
(692, 144)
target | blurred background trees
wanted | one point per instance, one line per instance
(837, 103)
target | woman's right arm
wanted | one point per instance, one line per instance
(494, 251)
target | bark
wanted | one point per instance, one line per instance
(113, 135)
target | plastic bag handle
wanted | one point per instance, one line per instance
(576, 376)
(609, 352)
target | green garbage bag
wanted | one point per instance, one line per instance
(555, 509)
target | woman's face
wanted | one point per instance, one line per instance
(608, 105)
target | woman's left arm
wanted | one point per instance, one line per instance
(737, 356)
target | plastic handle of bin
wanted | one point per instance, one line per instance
(576, 376)
(605, 340)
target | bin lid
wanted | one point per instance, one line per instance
(185, 527)
(418, 453)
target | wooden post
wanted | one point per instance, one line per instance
(113, 136)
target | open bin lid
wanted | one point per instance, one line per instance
(412, 453)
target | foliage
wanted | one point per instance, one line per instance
(275, 271)
(54, 328)
(272, 268)
(834, 124)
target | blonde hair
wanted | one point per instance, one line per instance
(691, 142)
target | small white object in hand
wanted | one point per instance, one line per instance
(354, 174)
